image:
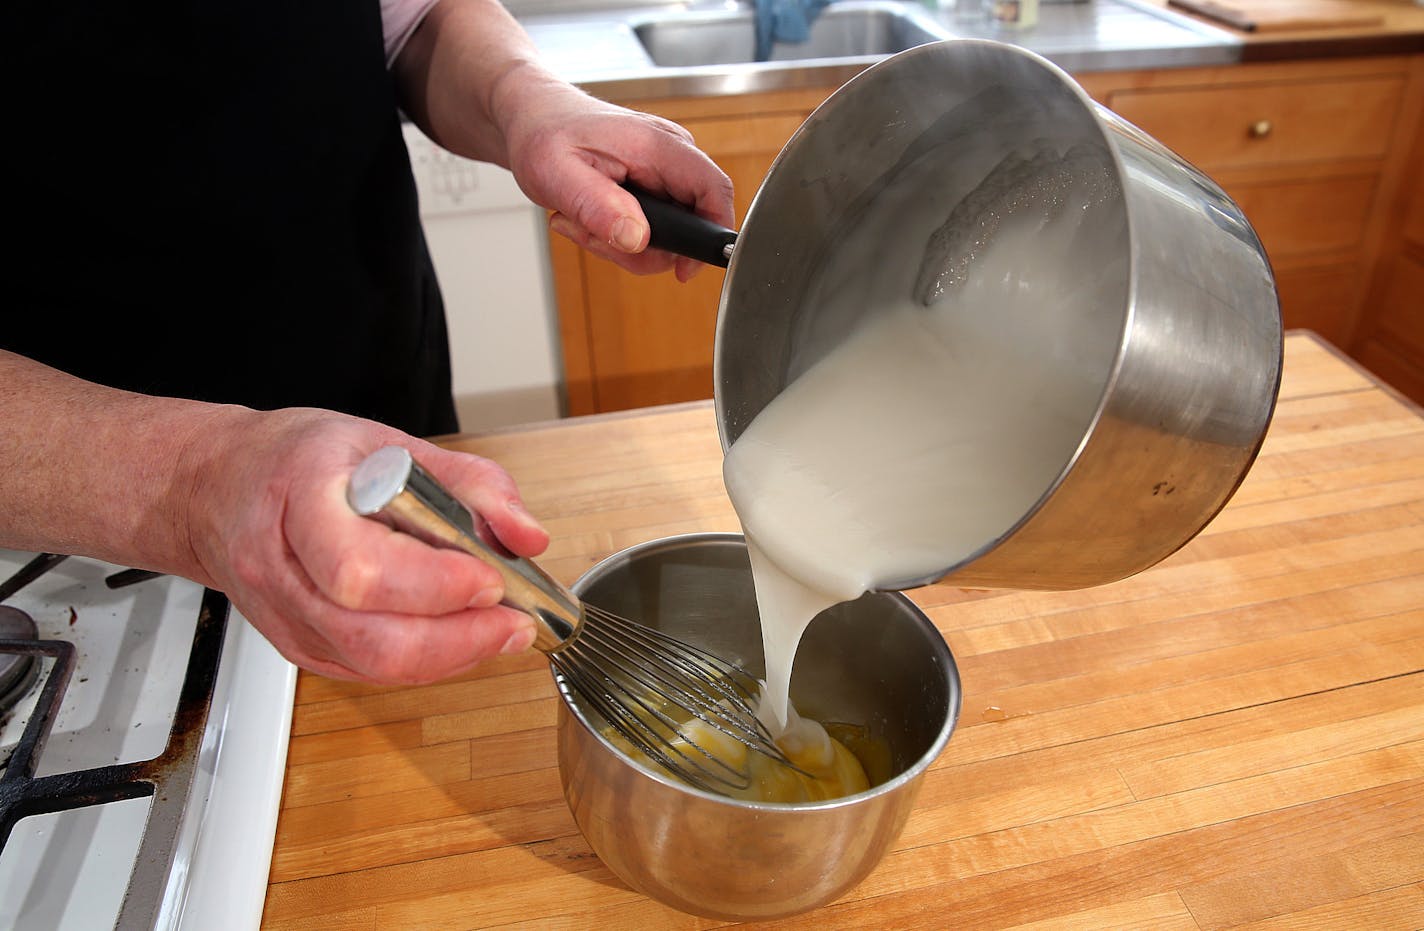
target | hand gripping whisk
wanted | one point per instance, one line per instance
(647, 685)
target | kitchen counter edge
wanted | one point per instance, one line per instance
(597, 48)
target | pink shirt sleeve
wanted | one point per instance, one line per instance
(398, 20)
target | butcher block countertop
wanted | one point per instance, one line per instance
(1234, 738)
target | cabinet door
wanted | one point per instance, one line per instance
(1390, 340)
(1310, 152)
(1276, 124)
(648, 340)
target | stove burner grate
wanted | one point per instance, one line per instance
(167, 778)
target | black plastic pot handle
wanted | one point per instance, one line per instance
(675, 228)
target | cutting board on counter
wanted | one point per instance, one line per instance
(1282, 15)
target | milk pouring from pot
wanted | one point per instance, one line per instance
(983, 347)
(975, 325)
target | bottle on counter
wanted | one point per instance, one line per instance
(1016, 14)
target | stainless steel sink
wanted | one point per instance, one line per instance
(845, 29)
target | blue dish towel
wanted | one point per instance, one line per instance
(784, 21)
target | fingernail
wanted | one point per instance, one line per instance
(627, 234)
(519, 641)
(523, 516)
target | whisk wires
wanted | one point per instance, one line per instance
(649, 686)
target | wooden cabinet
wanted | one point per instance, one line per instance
(1317, 153)
(633, 341)
(1390, 337)
(1314, 152)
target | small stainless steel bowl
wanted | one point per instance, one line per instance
(877, 662)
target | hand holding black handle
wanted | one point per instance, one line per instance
(674, 228)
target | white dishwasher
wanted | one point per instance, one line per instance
(488, 242)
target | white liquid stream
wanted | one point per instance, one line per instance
(928, 433)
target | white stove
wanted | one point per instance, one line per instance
(170, 736)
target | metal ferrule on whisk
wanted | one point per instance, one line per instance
(391, 486)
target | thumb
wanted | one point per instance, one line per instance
(608, 213)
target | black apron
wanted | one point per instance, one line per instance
(215, 202)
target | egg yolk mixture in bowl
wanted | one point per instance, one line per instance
(823, 764)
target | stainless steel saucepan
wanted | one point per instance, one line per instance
(1186, 339)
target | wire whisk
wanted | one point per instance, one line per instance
(656, 692)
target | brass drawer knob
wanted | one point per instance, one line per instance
(1260, 129)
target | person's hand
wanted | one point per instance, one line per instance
(470, 77)
(340, 594)
(569, 152)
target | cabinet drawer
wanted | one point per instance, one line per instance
(1304, 217)
(1238, 126)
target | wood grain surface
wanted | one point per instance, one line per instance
(1283, 15)
(1234, 738)
(1316, 21)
